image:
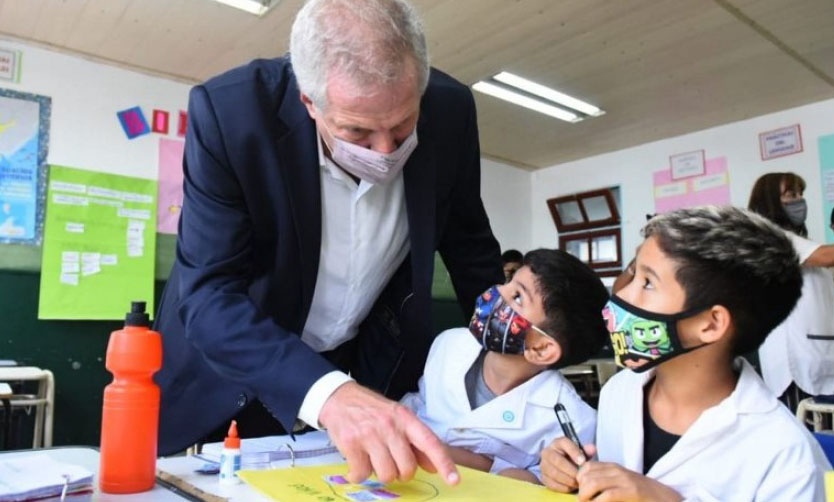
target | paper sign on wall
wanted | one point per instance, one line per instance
(99, 245)
(713, 187)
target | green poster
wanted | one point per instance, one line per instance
(98, 245)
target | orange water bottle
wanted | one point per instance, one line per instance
(130, 414)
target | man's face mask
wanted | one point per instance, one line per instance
(366, 164)
(498, 327)
(643, 339)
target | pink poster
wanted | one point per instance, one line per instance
(710, 188)
(170, 185)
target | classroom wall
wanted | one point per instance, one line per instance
(631, 169)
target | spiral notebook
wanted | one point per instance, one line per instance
(265, 452)
(39, 476)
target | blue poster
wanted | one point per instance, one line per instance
(24, 139)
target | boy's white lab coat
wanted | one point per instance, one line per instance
(801, 349)
(748, 447)
(514, 427)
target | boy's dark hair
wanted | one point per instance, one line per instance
(513, 255)
(732, 257)
(766, 199)
(573, 297)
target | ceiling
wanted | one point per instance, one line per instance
(659, 68)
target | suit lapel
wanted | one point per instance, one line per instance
(298, 159)
(419, 176)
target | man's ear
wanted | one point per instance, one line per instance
(541, 350)
(714, 324)
(308, 103)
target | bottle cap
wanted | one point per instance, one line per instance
(232, 439)
(137, 315)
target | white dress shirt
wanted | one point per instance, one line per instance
(364, 239)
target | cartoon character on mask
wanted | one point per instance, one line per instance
(641, 339)
(496, 326)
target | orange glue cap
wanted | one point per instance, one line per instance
(232, 439)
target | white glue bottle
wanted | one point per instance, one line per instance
(230, 457)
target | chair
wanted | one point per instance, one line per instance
(819, 413)
(43, 400)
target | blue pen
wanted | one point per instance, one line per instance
(567, 426)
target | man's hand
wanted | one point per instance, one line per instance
(382, 436)
(608, 482)
(559, 464)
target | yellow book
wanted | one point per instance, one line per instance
(326, 483)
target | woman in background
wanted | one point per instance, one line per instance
(797, 358)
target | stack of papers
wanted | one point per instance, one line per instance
(28, 477)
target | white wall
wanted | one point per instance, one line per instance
(632, 170)
(85, 132)
(505, 191)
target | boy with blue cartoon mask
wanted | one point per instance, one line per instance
(690, 419)
(489, 391)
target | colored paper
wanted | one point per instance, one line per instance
(711, 188)
(170, 185)
(826, 149)
(133, 122)
(99, 245)
(160, 121)
(322, 483)
(183, 124)
(24, 140)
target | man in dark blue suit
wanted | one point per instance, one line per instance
(317, 189)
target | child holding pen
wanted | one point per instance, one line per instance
(489, 391)
(709, 285)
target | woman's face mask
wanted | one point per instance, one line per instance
(643, 339)
(369, 165)
(797, 211)
(498, 327)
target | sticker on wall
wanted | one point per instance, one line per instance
(133, 122)
(160, 121)
(24, 143)
(10, 65)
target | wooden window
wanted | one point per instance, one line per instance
(589, 228)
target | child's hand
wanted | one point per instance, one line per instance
(559, 464)
(614, 483)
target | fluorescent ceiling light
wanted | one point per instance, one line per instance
(523, 92)
(525, 101)
(257, 7)
(548, 93)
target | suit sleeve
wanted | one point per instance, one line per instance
(214, 251)
(468, 248)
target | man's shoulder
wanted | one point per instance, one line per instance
(268, 73)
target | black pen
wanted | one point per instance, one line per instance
(567, 426)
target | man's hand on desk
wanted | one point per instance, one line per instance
(377, 435)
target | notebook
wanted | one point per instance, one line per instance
(38, 475)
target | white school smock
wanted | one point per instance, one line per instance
(514, 427)
(801, 349)
(748, 447)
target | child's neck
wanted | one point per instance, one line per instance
(686, 386)
(504, 372)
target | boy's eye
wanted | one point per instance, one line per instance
(517, 298)
(647, 284)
